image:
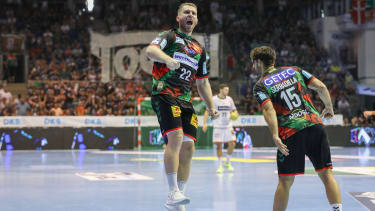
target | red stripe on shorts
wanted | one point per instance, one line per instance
(165, 133)
(319, 170)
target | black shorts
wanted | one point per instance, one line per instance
(311, 141)
(174, 114)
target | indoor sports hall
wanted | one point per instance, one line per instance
(101, 102)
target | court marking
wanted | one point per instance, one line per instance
(236, 150)
(355, 157)
(130, 152)
(240, 160)
(366, 199)
(345, 171)
(51, 167)
(146, 159)
(112, 176)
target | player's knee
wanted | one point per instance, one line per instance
(286, 181)
(188, 148)
(326, 176)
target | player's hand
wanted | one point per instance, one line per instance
(366, 114)
(327, 113)
(173, 64)
(213, 113)
(282, 147)
(204, 128)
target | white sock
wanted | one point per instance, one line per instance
(220, 161)
(336, 207)
(172, 181)
(182, 186)
(228, 158)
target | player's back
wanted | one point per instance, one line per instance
(286, 87)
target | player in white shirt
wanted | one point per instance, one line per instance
(223, 129)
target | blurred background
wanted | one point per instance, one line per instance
(86, 58)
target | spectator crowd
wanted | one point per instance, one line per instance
(64, 79)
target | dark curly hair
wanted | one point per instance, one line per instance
(265, 53)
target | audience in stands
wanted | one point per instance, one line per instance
(65, 80)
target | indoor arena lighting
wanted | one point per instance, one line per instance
(90, 5)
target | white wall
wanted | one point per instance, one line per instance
(366, 57)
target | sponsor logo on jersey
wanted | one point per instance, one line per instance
(160, 86)
(283, 85)
(204, 69)
(223, 108)
(156, 41)
(306, 74)
(194, 120)
(298, 114)
(176, 111)
(163, 44)
(180, 40)
(185, 59)
(188, 50)
(278, 77)
(261, 95)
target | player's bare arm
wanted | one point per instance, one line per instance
(204, 90)
(154, 52)
(323, 94)
(271, 119)
(367, 114)
(205, 118)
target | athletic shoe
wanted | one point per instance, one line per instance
(220, 170)
(229, 166)
(175, 208)
(177, 198)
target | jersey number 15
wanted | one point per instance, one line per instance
(291, 98)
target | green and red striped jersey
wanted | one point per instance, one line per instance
(192, 57)
(286, 88)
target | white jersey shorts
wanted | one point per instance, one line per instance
(223, 135)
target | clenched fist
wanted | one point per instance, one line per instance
(213, 113)
(173, 64)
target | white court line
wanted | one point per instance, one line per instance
(49, 150)
(354, 157)
(130, 152)
(257, 149)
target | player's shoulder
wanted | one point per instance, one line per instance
(230, 98)
(259, 85)
(196, 42)
(295, 68)
(259, 82)
(167, 33)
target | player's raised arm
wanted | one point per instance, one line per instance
(323, 94)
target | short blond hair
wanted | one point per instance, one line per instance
(186, 4)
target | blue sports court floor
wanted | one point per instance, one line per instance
(134, 180)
